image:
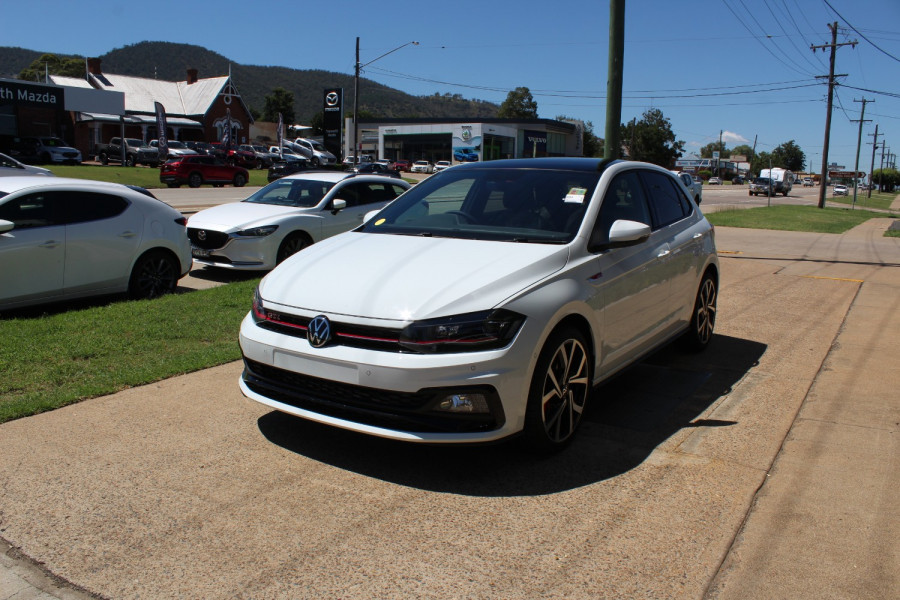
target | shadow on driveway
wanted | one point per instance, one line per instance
(629, 417)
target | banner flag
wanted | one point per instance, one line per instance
(161, 134)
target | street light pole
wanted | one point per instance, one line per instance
(356, 144)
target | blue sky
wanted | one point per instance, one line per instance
(743, 67)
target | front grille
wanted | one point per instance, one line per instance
(213, 239)
(403, 411)
(343, 334)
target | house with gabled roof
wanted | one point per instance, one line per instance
(196, 109)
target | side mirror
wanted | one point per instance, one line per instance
(368, 216)
(337, 205)
(6, 226)
(621, 233)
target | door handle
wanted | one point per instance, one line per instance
(663, 254)
(127, 234)
(49, 244)
(697, 236)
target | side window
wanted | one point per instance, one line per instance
(669, 204)
(81, 207)
(351, 193)
(396, 190)
(624, 200)
(33, 210)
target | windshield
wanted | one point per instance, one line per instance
(517, 205)
(761, 181)
(302, 193)
(175, 144)
(135, 142)
(54, 142)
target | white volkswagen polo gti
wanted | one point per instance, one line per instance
(485, 302)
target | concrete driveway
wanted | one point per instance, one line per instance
(765, 467)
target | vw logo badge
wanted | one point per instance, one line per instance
(331, 98)
(201, 235)
(319, 331)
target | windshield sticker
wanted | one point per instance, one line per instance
(576, 195)
(379, 221)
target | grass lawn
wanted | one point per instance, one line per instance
(146, 177)
(878, 200)
(52, 360)
(794, 218)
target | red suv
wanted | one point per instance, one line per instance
(402, 165)
(198, 170)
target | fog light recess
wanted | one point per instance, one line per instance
(464, 403)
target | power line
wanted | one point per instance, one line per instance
(874, 45)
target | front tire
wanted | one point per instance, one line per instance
(559, 392)
(129, 161)
(291, 245)
(155, 273)
(703, 319)
(239, 180)
(195, 180)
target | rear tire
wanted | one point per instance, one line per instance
(154, 274)
(559, 392)
(129, 161)
(104, 159)
(703, 318)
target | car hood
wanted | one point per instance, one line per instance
(405, 278)
(241, 215)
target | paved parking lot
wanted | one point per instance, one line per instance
(765, 467)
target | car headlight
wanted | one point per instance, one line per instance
(257, 231)
(470, 332)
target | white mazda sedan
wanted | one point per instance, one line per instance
(62, 239)
(286, 216)
(485, 302)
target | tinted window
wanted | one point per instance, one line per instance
(624, 200)
(665, 197)
(33, 210)
(81, 207)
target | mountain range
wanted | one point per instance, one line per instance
(170, 61)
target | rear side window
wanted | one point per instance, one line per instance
(81, 207)
(667, 200)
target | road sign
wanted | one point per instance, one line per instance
(846, 174)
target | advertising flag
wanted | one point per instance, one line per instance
(161, 131)
(226, 136)
(280, 132)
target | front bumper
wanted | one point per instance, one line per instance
(387, 394)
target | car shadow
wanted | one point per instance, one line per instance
(630, 415)
(214, 275)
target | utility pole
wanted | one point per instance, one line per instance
(872, 166)
(833, 46)
(881, 174)
(862, 119)
(612, 145)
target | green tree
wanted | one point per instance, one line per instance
(318, 123)
(742, 150)
(652, 140)
(761, 161)
(519, 104)
(56, 65)
(279, 101)
(707, 150)
(789, 156)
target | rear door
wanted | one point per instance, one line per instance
(103, 233)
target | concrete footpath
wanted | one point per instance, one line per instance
(121, 508)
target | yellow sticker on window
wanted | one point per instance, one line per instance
(379, 221)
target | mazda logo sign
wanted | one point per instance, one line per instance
(201, 235)
(331, 98)
(319, 331)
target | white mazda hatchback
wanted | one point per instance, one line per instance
(286, 216)
(69, 238)
(485, 302)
